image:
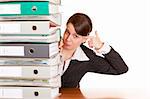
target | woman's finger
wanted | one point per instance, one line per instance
(61, 43)
(90, 42)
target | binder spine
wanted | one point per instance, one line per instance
(24, 28)
(28, 50)
(28, 92)
(29, 72)
(24, 8)
(35, 8)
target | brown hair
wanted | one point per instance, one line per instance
(82, 23)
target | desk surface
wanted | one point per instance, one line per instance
(70, 93)
(75, 93)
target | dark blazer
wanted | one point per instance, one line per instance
(112, 64)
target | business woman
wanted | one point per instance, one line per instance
(97, 57)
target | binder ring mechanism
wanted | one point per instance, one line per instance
(31, 51)
(34, 8)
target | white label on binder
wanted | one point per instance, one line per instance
(11, 71)
(12, 93)
(12, 50)
(9, 28)
(1, 92)
(10, 9)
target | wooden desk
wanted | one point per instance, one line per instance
(70, 93)
(75, 93)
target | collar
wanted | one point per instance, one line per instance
(80, 55)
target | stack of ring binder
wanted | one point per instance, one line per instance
(29, 54)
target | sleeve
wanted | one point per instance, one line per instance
(111, 63)
(104, 50)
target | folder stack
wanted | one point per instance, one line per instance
(29, 53)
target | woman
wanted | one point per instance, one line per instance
(99, 57)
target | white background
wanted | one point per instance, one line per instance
(125, 25)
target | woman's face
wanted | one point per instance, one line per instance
(71, 39)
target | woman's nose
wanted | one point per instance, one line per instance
(69, 38)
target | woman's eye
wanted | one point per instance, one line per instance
(67, 32)
(75, 36)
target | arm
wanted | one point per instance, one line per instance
(110, 62)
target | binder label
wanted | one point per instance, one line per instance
(9, 28)
(10, 9)
(12, 72)
(11, 50)
(12, 93)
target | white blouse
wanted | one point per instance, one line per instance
(81, 56)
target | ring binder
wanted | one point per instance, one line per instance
(29, 53)
(27, 8)
(28, 50)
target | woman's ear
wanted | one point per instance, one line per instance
(84, 39)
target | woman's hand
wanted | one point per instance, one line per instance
(95, 42)
(64, 53)
(61, 45)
